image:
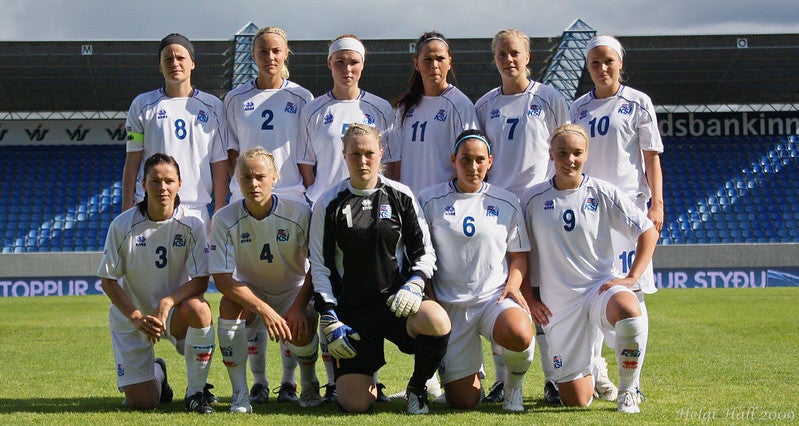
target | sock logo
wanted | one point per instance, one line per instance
(632, 353)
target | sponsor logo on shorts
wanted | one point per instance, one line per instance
(120, 370)
(249, 106)
(441, 115)
(179, 241)
(291, 108)
(492, 211)
(384, 212)
(625, 109)
(282, 235)
(202, 116)
(449, 211)
(591, 204)
(557, 362)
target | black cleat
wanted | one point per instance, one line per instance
(259, 394)
(496, 393)
(198, 404)
(381, 396)
(330, 393)
(551, 395)
(286, 393)
(209, 397)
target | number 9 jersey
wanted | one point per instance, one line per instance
(570, 237)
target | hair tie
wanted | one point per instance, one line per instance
(422, 43)
(346, 43)
(604, 40)
(478, 137)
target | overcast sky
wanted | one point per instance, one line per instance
(78, 20)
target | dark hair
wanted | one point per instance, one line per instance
(415, 86)
(472, 134)
(154, 160)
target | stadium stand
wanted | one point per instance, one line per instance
(718, 189)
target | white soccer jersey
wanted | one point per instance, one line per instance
(519, 127)
(269, 255)
(268, 118)
(620, 127)
(191, 129)
(323, 122)
(570, 237)
(427, 137)
(472, 233)
(151, 259)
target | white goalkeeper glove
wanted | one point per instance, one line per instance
(337, 335)
(408, 298)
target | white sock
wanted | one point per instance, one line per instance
(546, 361)
(289, 364)
(630, 335)
(645, 316)
(233, 347)
(306, 357)
(500, 372)
(256, 350)
(518, 363)
(199, 350)
(327, 360)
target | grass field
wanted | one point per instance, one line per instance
(716, 356)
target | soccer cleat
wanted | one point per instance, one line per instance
(496, 393)
(309, 397)
(240, 402)
(286, 393)
(209, 397)
(166, 390)
(381, 396)
(551, 395)
(514, 399)
(259, 394)
(198, 404)
(417, 400)
(330, 393)
(603, 387)
(628, 401)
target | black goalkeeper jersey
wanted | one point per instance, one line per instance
(366, 243)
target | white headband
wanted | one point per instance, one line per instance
(604, 41)
(346, 43)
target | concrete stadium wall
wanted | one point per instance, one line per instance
(670, 256)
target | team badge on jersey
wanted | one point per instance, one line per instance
(495, 113)
(584, 113)
(534, 110)
(449, 211)
(141, 241)
(591, 204)
(626, 109)
(249, 106)
(161, 114)
(441, 116)
(557, 361)
(282, 235)
(549, 205)
(202, 116)
(290, 108)
(369, 120)
(366, 204)
(492, 211)
(179, 241)
(328, 118)
(245, 237)
(384, 211)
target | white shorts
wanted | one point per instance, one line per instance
(134, 354)
(571, 334)
(465, 349)
(280, 303)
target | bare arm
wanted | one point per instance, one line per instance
(393, 170)
(129, 173)
(219, 174)
(654, 176)
(306, 171)
(276, 326)
(517, 265)
(644, 250)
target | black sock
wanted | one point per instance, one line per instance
(429, 351)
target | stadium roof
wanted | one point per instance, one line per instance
(41, 77)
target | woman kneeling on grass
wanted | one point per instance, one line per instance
(570, 219)
(155, 271)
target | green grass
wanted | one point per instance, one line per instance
(718, 355)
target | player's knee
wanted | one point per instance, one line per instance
(197, 311)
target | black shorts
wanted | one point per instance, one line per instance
(375, 324)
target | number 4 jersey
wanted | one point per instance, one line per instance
(151, 259)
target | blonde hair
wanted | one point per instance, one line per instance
(356, 130)
(570, 128)
(258, 153)
(511, 32)
(280, 33)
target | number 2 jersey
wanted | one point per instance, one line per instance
(366, 243)
(190, 129)
(472, 234)
(570, 237)
(150, 259)
(269, 255)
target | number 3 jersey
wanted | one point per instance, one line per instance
(366, 243)
(150, 259)
(472, 234)
(270, 255)
(570, 237)
(190, 129)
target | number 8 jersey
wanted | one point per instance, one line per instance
(570, 237)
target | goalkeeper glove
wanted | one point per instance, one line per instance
(337, 335)
(408, 298)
